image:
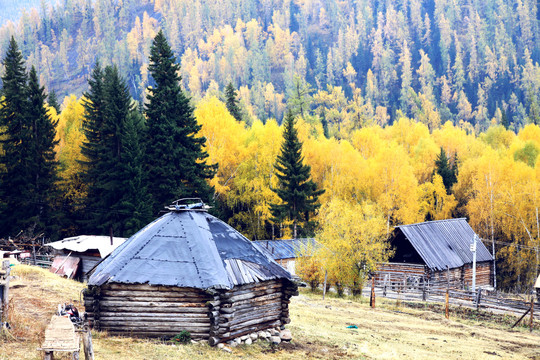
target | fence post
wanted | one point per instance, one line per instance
(447, 312)
(478, 297)
(424, 297)
(532, 314)
(372, 300)
(324, 286)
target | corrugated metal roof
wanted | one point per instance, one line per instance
(445, 243)
(187, 249)
(286, 249)
(83, 243)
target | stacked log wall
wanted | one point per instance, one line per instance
(250, 308)
(484, 271)
(149, 311)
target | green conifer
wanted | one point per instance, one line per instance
(298, 193)
(27, 165)
(232, 102)
(175, 159)
(15, 164)
(45, 168)
(447, 171)
(52, 100)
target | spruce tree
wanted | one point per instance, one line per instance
(16, 190)
(52, 100)
(446, 170)
(114, 157)
(27, 165)
(175, 159)
(232, 102)
(298, 193)
(45, 168)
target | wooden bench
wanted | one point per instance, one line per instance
(60, 336)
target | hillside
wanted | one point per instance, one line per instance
(319, 331)
(12, 10)
(434, 60)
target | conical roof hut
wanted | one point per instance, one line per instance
(190, 271)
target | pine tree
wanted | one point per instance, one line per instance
(135, 200)
(298, 193)
(447, 171)
(52, 100)
(92, 124)
(16, 162)
(45, 175)
(27, 166)
(114, 151)
(175, 158)
(232, 102)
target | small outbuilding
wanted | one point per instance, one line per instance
(285, 252)
(439, 253)
(188, 271)
(76, 256)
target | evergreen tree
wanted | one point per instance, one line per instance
(92, 124)
(16, 162)
(447, 171)
(135, 200)
(504, 119)
(27, 166)
(45, 175)
(298, 193)
(52, 100)
(175, 158)
(324, 124)
(232, 102)
(114, 154)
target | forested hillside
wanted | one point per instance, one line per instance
(403, 111)
(471, 62)
(12, 10)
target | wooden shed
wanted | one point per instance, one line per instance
(88, 250)
(439, 253)
(190, 271)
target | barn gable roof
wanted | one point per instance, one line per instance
(187, 249)
(445, 243)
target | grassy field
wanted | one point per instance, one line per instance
(391, 331)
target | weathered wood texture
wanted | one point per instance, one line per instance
(159, 311)
(150, 311)
(402, 275)
(250, 308)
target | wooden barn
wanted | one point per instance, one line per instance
(189, 271)
(439, 253)
(285, 252)
(76, 256)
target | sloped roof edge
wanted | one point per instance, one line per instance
(445, 243)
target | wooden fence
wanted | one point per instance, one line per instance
(414, 286)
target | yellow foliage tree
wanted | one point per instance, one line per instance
(353, 240)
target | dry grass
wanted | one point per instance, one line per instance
(319, 329)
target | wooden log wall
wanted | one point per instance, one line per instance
(250, 308)
(149, 311)
(393, 275)
(484, 271)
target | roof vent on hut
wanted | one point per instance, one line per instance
(188, 270)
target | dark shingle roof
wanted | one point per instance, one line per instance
(445, 243)
(187, 249)
(286, 249)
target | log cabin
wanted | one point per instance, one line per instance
(438, 253)
(188, 271)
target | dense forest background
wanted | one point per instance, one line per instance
(407, 110)
(467, 61)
